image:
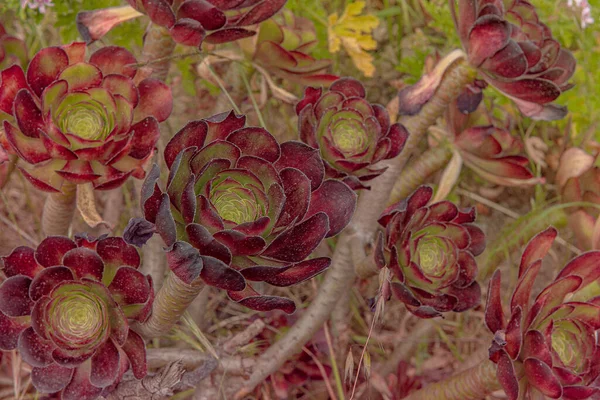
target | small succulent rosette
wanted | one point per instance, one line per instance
(429, 250)
(190, 22)
(81, 121)
(253, 207)
(578, 177)
(547, 348)
(12, 50)
(489, 150)
(283, 46)
(351, 134)
(516, 53)
(65, 307)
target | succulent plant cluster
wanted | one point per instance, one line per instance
(515, 52)
(429, 250)
(351, 133)
(256, 208)
(79, 121)
(66, 306)
(548, 347)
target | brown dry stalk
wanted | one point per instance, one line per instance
(419, 170)
(170, 303)
(58, 211)
(472, 384)
(341, 273)
(158, 45)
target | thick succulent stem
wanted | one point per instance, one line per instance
(158, 45)
(341, 273)
(59, 210)
(170, 303)
(418, 170)
(472, 384)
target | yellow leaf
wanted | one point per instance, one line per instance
(86, 204)
(354, 32)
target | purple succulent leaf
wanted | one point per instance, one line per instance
(84, 263)
(193, 134)
(51, 250)
(217, 273)
(165, 224)
(35, 350)
(540, 375)
(135, 349)
(253, 300)
(537, 248)
(494, 315)
(10, 329)
(254, 141)
(138, 231)
(21, 261)
(304, 158)
(47, 279)
(239, 243)
(51, 379)
(335, 199)
(105, 365)
(296, 243)
(299, 272)
(507, 376)
(14, 296)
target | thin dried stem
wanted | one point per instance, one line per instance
(59, 210)
(472, 384)
(170, 303)
(341, 273)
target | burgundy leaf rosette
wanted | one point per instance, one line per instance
(430, 249)
(351, 134)
(190, 22)
(283, 46)
(491, 151)
(548, 347)
(65, 308)
(253, 207)
(516, 53)
(81, 121)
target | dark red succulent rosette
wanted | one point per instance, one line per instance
(548, 347)
(516, 53)
(81, 121)
(351, 133)
(430, 251)
(65, 307)
(243, 200)
(190, 22)
(283, 46)
(490, 151)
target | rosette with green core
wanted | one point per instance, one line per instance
(66, 307)
(351, 134)
(429, 250)
(77, 121)
(253, 209)
(547, 347)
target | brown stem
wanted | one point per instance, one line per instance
(10, 167)
(418, 171)
(59, 210)
(341, 273)
(170, 303)
(190, 358)
(158, 44)
(472, 384)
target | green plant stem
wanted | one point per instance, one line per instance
(516, 234)
(419, 170)
(158, 47)
(170, 303)
(59, 209)
(472, 384)
(360, 231)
